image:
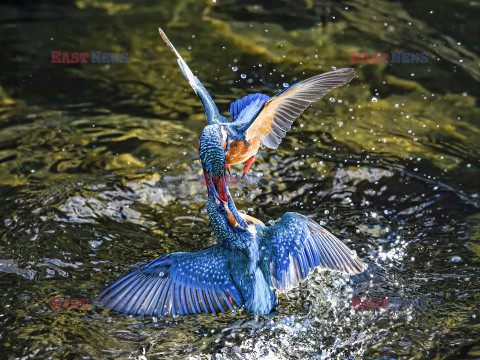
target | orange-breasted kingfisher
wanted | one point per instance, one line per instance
(250, 263)
(260, 119)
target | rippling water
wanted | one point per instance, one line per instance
(99, 174)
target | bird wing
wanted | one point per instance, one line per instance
(297, 245)
(176, 284)
(254, 101)
(278, 113)
(210, 108)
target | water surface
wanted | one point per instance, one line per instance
(99, 174)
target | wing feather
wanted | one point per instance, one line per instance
(297, 245)
(291, 103)
(255, 101)
(213, 115)
(176, 284)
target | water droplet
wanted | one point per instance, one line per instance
(234, 68)
(456, 259)
(243, 76)
(285, 85)
(95, 243)
(374, 100)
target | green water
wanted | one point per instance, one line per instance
(99, 173)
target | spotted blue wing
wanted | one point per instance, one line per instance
(296, 245)
(277, 115)
(213, 115)
(176, 284)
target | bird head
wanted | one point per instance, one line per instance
(212, 147)
(212, 144)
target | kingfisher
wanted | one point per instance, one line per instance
(258, 119)
(249, 265)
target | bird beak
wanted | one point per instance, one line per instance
(223, 188)
(217, 187)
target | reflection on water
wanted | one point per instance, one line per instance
(99, 174)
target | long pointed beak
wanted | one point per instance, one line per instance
(221, 197)
(223, 188)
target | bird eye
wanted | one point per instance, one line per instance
(221, 209)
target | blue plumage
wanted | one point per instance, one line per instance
(249, 263)
(239, 105)
(177, 284)
(260, 119)
(296, 245)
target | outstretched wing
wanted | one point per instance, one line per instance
(176, 284)
(297, 245)
(278, 114)
(211, 109)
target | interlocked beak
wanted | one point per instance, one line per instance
(217, 186)
(219, 190)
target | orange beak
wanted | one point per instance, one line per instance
(223, 194)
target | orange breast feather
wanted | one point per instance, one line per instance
(239, 152)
